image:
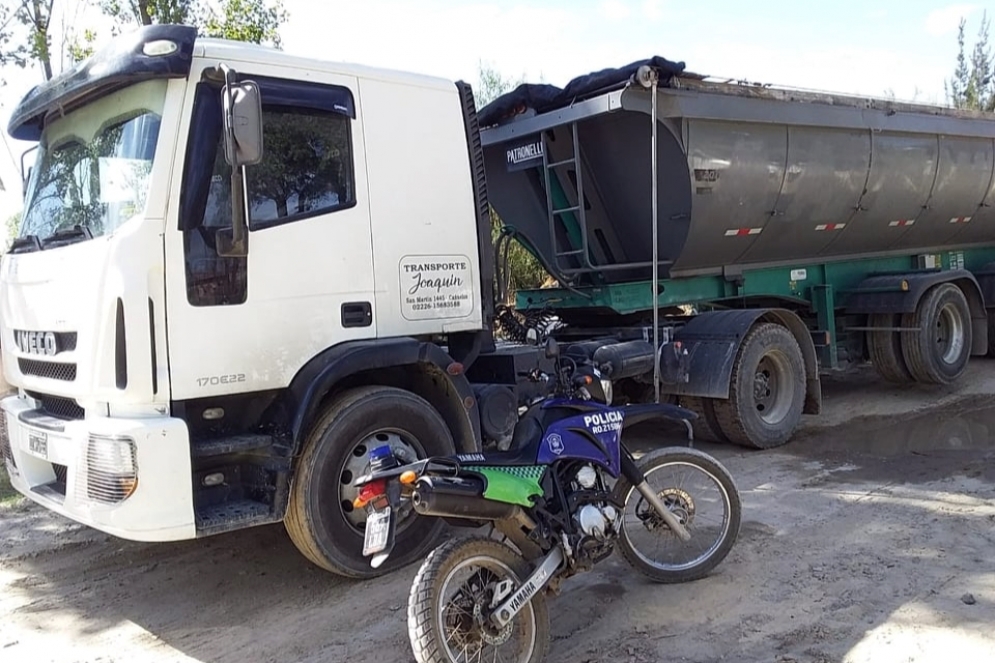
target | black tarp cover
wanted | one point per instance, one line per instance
(543, 97)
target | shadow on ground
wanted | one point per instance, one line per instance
(853, 540)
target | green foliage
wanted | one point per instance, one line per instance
(11, 227)
(26, 37)
(7, 493)
(973, 86)
(80, 48)
(255, 21)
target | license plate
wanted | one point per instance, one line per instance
(38, 444)
(377, 531)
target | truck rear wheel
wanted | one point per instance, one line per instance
(705, 427)
(885, 348)
(938, 351)
(767, 390)
(321, 520)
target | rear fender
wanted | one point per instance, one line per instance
(712, 341)
(643, 412)
(900, 292)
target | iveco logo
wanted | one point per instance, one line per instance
(36, 343)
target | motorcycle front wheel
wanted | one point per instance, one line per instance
(453, 592)
(702, 494)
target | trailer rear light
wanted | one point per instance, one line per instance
(111, 469)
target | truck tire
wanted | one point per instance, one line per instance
(938, 352)
(991, 332)
(885, 348)
(320, 518)
(705, 427)
(767, 389)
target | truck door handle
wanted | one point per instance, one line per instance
(357, 314)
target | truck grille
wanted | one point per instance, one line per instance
(47, 369)
(61, 408)
(5, 450)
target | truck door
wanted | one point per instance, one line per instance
(238, 325)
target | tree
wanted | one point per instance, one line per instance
(36, 16)
(972, 86)
(256, 21)
(247, 20)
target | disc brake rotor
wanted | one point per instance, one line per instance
(679, 502)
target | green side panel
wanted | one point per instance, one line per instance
(803, 283)
(513, 485)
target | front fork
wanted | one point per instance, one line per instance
(636, 477)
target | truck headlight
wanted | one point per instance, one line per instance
(111, 468)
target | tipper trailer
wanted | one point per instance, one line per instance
(238, 269)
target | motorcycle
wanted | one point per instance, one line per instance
(564, 496)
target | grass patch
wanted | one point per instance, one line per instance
(7, 493)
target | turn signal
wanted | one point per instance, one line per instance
(370, 492)
(408, 477)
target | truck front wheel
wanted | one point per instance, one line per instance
(321, 520)
(767, 390)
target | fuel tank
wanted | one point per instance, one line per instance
(747, 176)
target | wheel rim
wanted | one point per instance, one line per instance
(693, 508)
(772, 391)
(358, 463)
(950, 337)
(459, 618)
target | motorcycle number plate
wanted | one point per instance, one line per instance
(377, 531)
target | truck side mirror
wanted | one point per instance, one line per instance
(243, 113)
(243, 125)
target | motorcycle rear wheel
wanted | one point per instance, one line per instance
(712, 536)
(443, 629)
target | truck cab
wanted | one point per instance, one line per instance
(168, 384)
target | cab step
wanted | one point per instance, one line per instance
(227, 517)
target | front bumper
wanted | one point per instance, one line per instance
(54, 463)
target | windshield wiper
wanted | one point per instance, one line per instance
(26, 244)
(68, 234)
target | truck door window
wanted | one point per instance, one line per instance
(307, 170)
(205, 206)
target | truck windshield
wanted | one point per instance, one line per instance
(93, 166)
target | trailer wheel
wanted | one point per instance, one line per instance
(938, 352)
(767, 390)
(321, 520)
(885, 348)
(705, 427)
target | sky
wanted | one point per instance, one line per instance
(869, 47)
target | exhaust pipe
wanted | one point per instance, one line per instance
(448, 497)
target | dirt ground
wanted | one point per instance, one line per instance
(866, 539)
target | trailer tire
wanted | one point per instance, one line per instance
(885, 348)
(767, 389)
(705, 427)
(938, 352)
(334, 453)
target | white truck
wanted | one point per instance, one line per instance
(179, 374)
